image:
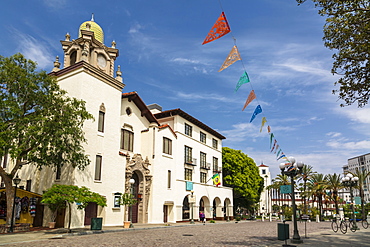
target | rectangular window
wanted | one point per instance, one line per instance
(58, 173)
(203, 158)
(203, 177)
(188, 155)
(101, 121)
(214, 143)
(188, 174)
(215, 164)
(203, 137)
(28, 185)
(169, 179)
(127, 142)
(167, 146)
(98, 164)
(188, 130)
(263, 171)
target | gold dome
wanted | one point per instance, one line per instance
(98, 31)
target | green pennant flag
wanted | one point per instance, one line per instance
(243, 79)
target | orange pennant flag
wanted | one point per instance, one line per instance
(251, 97)
(219, 29)
(231, 58)
(269, 129)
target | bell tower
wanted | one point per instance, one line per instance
(89, 47)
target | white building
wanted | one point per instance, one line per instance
(170, 155)
(265, 200)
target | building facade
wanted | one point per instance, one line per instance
(169, 156)
(265, 200)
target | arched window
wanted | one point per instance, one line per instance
(73, 58)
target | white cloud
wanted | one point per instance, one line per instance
(334, 134)
(185, 60)
(34, 49)
(360, 145)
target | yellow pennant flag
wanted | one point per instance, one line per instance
(263, 123)
(231, 58)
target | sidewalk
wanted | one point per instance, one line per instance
(321, 238)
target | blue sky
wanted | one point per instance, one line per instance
(163, 59)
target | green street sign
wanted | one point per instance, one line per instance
(285, 189)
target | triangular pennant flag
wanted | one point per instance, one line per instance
(282, 156)
(268, 129)
(231, 58)
(219, 29)
(257, 111)
(263, 123)
(271, 136)
(273, 147)
(276, 149)
(242, 80)
(278, 153)
(250, 98)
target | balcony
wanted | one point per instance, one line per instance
(206, 166)
(217, 169)
(193, 162)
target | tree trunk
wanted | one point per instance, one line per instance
(69, 216)
(10, 190)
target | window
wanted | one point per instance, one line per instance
(263, 171)
(188, 174)
(203, 177)
(214, 143)
(101, 118)
(98, 164)
(127, 140)
(168, 179)
(203, 137)
(188, 154)
(188, 130)
(215, 164)
(167, 146)
(203, 158)
(28, 185)
(58, 173)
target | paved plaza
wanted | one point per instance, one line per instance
(246, 233)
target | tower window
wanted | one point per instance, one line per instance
(73, 57)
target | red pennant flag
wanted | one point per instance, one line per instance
(250, 98)
(268, 129)
(219, 29)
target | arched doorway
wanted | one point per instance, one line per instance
(217, 209)
(185, 209)
(134, 191)
(227, 209)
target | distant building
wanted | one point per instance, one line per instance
(362, 163)
(265, 200)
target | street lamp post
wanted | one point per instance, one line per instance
(292, 169)
(350, 180)
(132, 182)
(192, 207)
(16, 181)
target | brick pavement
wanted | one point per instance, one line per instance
(246, 233)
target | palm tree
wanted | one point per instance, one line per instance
(334, 185)
(307, 172)
(319, 186)
(362, 175)
(281, 180)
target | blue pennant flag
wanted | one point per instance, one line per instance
(256, 112)
(243, 79)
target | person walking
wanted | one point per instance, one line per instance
(202, 217)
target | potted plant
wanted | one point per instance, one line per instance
(127, 200)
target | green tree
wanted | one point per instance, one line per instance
(318, 189)
(307, 172)
(347, 33)
(334, 184)
(62, 196)
(241, 173)
(39, 123)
